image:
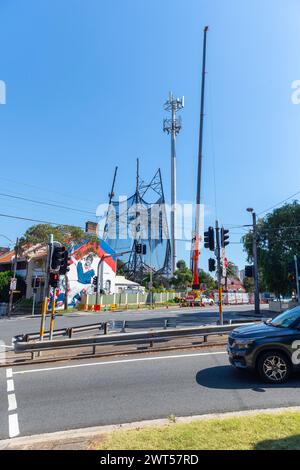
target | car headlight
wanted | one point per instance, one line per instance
(242, 343)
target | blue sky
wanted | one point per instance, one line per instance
(86, 82)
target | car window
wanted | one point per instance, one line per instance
(287, 319)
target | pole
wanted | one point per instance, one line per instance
(297, 277)
(199, 171)
(33, 302)
(46, 287)
(110, 197)
(151, 276)
(256, 275)
(219, 273)
(173, 186)
(52, 313)
(11, 293)
(98, 280)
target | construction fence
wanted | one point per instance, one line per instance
(123, 300)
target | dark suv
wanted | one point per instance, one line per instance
(272, 347)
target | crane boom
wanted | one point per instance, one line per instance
(196, 248)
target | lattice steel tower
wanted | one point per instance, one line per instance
(173, 126)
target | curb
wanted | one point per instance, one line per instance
(98, 431)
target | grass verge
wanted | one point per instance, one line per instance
(258, 432)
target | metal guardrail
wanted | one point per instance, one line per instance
(143, 337)
(121, 325)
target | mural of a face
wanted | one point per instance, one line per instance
(88, 261)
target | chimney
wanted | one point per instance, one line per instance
(91, 227)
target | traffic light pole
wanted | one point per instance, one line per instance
(11, 293)
(46, 287)
(256, 275)
(219, 274)
(297, 277)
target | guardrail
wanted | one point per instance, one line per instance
(134, 338)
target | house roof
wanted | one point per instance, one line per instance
(7, 257)
(122, 280)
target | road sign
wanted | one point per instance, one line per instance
(13, 283)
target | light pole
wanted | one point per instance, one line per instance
(254, 249)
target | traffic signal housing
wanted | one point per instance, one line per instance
(57, 257)
(209, 239)
(140, 249)
(53, 279)
(249, 271)
(224, 237)
(211, 265)
(64, 266)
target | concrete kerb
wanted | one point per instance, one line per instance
(98, 432)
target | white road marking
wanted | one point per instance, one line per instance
(13, 421)
(122, 361)
(10, 385)
(13, 425)
(12, 402)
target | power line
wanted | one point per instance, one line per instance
(43, 189)
(32, 220)
(279, 203)
(47, 203)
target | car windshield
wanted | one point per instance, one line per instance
(286, 319)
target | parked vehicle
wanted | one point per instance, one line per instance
(272, 348)
(207, 300)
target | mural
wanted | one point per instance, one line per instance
(84, 260)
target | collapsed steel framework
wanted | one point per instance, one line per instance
(140, 220)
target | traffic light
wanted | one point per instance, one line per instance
(57, 257)
(64, 266)
(140, 249)
(35, 282)
(211, 265)
(53, 279)
(224, 237)
(249, 271)
(209, 239)
(95, 280)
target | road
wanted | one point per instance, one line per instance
(56, 397)
(184, 316)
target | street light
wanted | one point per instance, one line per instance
(256, 278)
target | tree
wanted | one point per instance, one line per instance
(5, 277)
(183, 276)
(205, 278)
(121, 268)
(278, 242)
(62, 233)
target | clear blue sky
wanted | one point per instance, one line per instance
(86, 82)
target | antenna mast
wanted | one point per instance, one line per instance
(173, 126)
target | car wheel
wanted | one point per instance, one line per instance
(274, 367)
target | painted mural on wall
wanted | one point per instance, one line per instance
(83, 269)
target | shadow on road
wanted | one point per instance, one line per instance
(228, 378)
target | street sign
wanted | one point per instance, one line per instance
(13, 284)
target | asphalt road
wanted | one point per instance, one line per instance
(56, 397)
(184, 317)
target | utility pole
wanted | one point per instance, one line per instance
(256, 275)
(297, 278)
(172, 127)
(219, 271)
(13, 279)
